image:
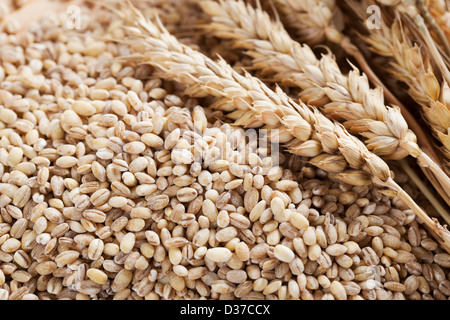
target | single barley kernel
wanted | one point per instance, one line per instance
(283, 253)
(236, 276)
(309, 236)
(66, 257)
(175, 256)
(95, 249)
(97, 276)
(152, 140)
(10, 245)
(272, 287)
(127, 243)
(14, 157)
(157, 93)
(4, 294)
(119, 108)
(181, 271)
(187, 194)
(7, 116)
(277, 205)
(336, 250)
(299, 221)
(218, 254)
(135, 147)
(260, 284)
(442, 259)
(83, 108)
(45, 268)
(117, 202)
(338, 291)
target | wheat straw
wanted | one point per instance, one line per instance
(260, 105)
(352, 100)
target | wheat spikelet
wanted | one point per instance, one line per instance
(435, 25)
(259, 105)
(313, 21)
(341, 97)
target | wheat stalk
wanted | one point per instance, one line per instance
(352, 100)
(315, 21)
(258, 104)
(313, 15)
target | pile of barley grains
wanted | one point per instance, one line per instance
(114, 185)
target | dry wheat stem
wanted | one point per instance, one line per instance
(260, 105)
(277, 55)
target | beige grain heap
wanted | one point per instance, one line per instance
(114, 184)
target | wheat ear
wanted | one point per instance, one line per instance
(258, 104)
(412, 67)
(429, 10)
(314, 21)
(411, 9)
(352, 100)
